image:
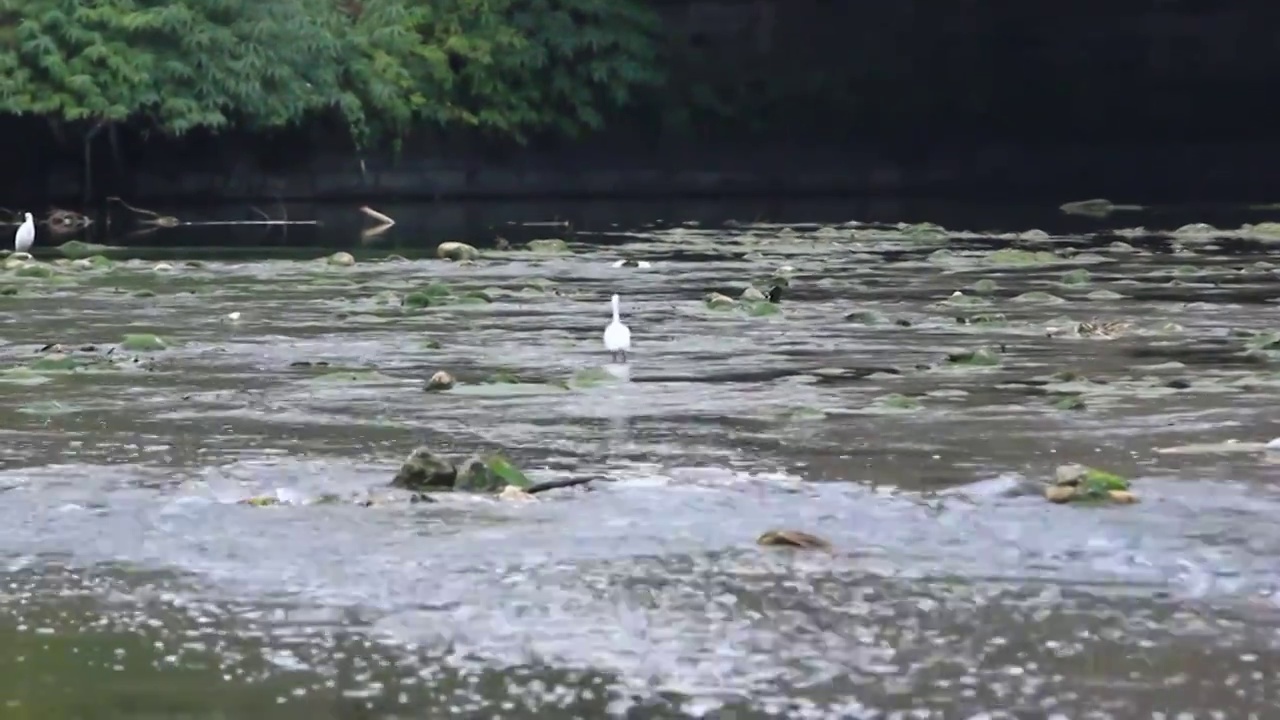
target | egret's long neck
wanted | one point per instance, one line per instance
(616, 317)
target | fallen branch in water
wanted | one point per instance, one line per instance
(168, 221)
(384, 219)
(556, 484)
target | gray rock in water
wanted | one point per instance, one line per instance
(456, 251)
(424, 469)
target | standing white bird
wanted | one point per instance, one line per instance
(617, 338)
(25, 236)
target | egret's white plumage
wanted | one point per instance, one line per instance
(617, 338)
(25, 236)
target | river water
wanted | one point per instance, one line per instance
(137, 584)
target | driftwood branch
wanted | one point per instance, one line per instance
(384, 219)
(385, 223)
(556, 484)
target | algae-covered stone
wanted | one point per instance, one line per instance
(985, 286)
(79, 249)
(34, 270)
(1265, 229)
(760, 308)
(1014, 256)
(1079, 276)
(456, 251)
(896, 401)
(980, 357)
(424, 469)
(429, 296)
(343, 259)
(490, 473)
(548, 245)
(1075, 482)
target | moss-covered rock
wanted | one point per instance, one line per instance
(1075, 483)
(425, 470)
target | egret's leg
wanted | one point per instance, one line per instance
(624, 355)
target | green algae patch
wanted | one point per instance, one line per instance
(35, 270)
(360, 375)
(896, 401)
(143, 342)
(1019, 258)
(75, 249)
(22, 375)
(489, 473)
(590, 377)
(978, 357)
(48, 408)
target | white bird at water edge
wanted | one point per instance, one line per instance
(617, 338)
(25, 236)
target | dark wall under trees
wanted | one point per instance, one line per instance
(1169, 99)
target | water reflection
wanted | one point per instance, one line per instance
(420, 227)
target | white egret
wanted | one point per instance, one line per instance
(25, 236)
(617, 338)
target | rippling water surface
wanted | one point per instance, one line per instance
(137, 585)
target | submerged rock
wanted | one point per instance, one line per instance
(792, 538)
(423, 470)
(718, 301)
(427, 470)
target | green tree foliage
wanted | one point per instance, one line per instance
(512, 67)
